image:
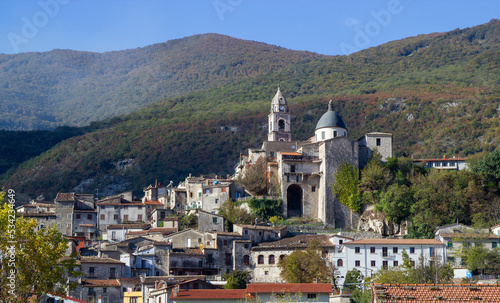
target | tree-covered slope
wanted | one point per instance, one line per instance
(65, 87)
(438, 94)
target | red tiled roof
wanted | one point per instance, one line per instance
(189, 251)
(289, 288)
(153, 202)
(395, 242)
(290, 154)
(466, 235)
(100, 283)
(440, 292)
(162, 230)
(128, 225)
(194, 294)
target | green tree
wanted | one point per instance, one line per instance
(266, 208)
(353, 279)
(361, 295)
(305, 266)
(255, 177)
(236, 279)
(396, 203)
(33, 262)
(488, 166)
(346, 187)
(234, 214)
(375, 177)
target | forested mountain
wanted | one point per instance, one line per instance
(438, 94)
(73, 88)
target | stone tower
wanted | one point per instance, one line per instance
(279, 119)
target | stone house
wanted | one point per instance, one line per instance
(108, 291)
(260, 233)
(150, 259)
(118, 232)
(43, 219)
(117, 210)
(161, 217)
(101, 268)
(264, 257)
(65, 206)
(208, 222)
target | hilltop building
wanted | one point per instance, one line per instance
(304, 170)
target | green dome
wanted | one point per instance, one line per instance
(330, 119)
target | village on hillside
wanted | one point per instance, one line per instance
(174, 243)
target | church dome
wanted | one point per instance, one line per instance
(331, 119)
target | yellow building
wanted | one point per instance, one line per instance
(132, 297)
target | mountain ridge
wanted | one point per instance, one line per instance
(441, 100)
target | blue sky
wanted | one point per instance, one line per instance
(322, 26)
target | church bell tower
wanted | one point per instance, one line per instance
(279, 119)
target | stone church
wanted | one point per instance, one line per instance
(305, 170)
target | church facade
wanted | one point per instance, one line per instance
(304, 170)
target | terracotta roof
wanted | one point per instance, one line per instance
(153, 202)
(65, 197)
(129, 225)
(466, 235)
(189, 251)
(495, 226)
(162, 230)
(99, 260)
(86, 225)
(290, 154)
(299, 241)
(440, 292)
(67, 297)
(100, 283)
(211, 294)
(395, 242)
(289, 288)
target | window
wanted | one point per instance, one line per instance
(78, 216)
(266, 272)
(494, 244)
(445, 164)
(246, 260)
(200, 263)
(91, 272)
(208, 243)
(199, 194)
(373, 263)
(322, 135)
(412, 250)
(228, 259)
(394, 250)
(112, 273)
(134, 300)
(281, 125)
(125, 207)
(340, 263)
(298, 179)
(271, 259)
(105, 300)
(104, 290)
(384, 264)
(449, 244)
(341, 242)
(246, 246)
(357, 263)
(214, 220)
(89, 217)
(384, 252)
(260, 259)
(372, 250)
(378, 141)
(432, 253)
(125, 217)
(395, 263)
(207, 190)
(225, 242)
(200, 240)
(334, 133)
(292, 168)
(282, 257)
(113, 235)
(115, 217)
(139, 217)
(313, 188)
(190, 195)
(103, 217)
(412, 263)
(357, 249)
(216, 201)
(311, 296)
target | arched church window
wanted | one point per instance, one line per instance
(281, 125)
(340, 263)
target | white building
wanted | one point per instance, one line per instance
(370, 255)
(445, 163)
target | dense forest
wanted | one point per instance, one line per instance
(438, 94)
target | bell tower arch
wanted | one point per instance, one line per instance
(279, 119)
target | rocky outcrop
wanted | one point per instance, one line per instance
(374, 221)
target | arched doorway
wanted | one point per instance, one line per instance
(294, 200)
